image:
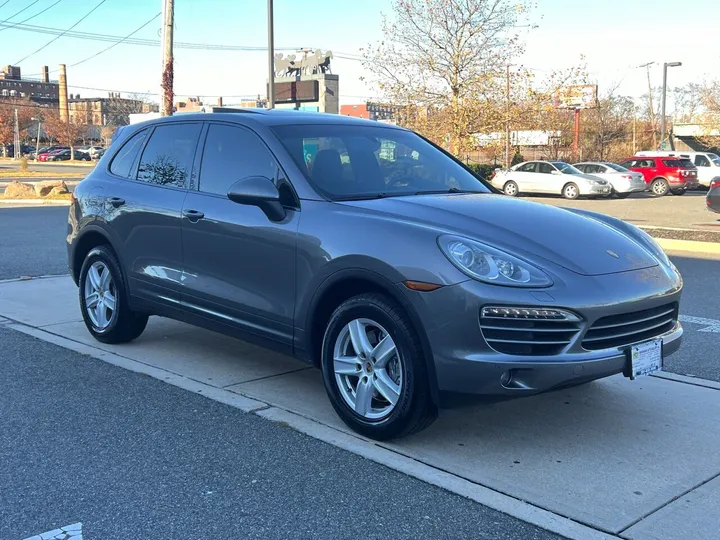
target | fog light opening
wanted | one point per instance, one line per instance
(506, 378)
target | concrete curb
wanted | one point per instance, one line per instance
(35, 202)
(689, 245)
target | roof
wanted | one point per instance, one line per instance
(270, 117)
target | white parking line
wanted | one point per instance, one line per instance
(68, 532)
(711, 325)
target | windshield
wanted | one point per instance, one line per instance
(715, 159)
(364, 162)
(616, 167)
(566, 168)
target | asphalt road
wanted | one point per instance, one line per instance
(32, 243)
(132, 457)
(642, 209)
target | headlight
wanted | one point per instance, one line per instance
(488, 264)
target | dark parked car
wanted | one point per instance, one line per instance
(713, 195)
(369, 252)
(59, 155)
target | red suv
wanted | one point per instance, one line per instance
(664, 173)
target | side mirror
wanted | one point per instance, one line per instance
(555, 171)
(261, 192)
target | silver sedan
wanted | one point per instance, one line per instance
(623, 181)
(551, 177)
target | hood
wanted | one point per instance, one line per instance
(523, 228)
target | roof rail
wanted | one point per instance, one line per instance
(218, 109)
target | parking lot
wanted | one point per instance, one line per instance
(616, 458)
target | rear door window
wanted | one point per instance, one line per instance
(168, 156)
(125, 158)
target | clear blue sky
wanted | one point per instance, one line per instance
(614, 35)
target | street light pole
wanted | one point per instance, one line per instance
(666, 65)
(37, 141)
(271, 57)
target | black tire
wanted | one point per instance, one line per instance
(622, 195)
(659, 187)
(415, 409)
(511, 189)
(569, 193)
(124, 324)
(678, 191)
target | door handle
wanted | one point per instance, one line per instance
(117, 201)
(193, 215)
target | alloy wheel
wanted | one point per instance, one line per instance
(571, 192)
(368, 369)
(100, 295)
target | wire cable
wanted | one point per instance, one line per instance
(62, 34)
(29, 18)
(19, 12)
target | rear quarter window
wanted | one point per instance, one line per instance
(123, 161)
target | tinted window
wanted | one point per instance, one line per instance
(232, 153)
(122, 163)
(528, 167)
(614, 167)
(702, 161)
(360, 162)
(715, 159)
(168, 155)
(545, 168)
(566, 168)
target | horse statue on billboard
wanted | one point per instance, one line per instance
(312, 64)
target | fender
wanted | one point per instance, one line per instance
(394, 290)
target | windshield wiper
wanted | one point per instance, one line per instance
(362, 197)
(443, 191)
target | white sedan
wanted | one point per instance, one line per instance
(623, 181)
(553, 177)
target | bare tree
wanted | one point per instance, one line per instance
(446, 59)
(66, 133)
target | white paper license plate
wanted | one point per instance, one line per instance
(645, 358)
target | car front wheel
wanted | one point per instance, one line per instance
(103, 301)
(571, 191)
(374, 369)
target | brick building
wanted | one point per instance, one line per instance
(110, 111)
(41, 90)
(372, 111)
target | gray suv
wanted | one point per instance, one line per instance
(366, 250)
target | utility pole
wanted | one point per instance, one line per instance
(666, 65)
(37, 141)
(271, 57)
(576, 134)
(634, 128)
(166, 87)
(16, 138)
(507, 117)
(650, 100)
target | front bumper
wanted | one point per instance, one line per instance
(596, 190)
(465, 363)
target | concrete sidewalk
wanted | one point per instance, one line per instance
(638, 460)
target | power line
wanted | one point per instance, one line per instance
(4, 4)
(63, 33)
(19, 12)
(117, 42)
(31, 17)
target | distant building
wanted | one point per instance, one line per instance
(372, 111)
(105, 111)
(38, 90)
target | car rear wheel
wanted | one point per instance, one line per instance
(103, 300)
(659, 187)
(510, 189)
(374, 369)
(571, 191)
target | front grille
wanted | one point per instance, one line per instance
(627, 328)
(528, 332)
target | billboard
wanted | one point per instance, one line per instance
(297, 91)
(579, 96)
